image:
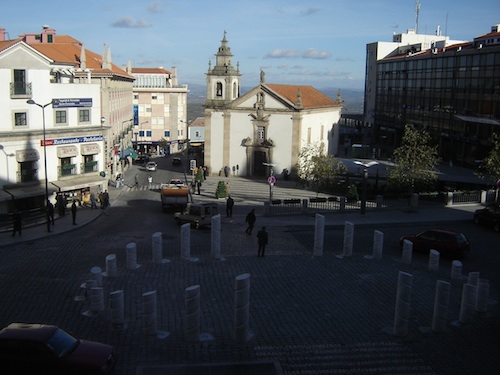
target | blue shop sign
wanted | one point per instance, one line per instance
(72, 102)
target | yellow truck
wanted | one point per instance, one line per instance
(174, 195)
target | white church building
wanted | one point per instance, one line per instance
(265, 128)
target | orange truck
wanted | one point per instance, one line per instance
(174, 195)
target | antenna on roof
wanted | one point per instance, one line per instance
(417, 11)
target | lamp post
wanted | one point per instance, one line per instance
(44, 144)
(365, 181)
(7, 156)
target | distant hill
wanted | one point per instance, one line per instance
(353, 99)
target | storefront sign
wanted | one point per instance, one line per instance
(65, 141)
(73, 102)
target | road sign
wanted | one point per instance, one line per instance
(271, 180)
(192, 164)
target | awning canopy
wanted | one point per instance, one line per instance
(29, 191)
(90, 149)
(79, 182)
(66, 151)
(128, 152)
(479, 120)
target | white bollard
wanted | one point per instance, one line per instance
(192, 305)
(111, 267)
(117, 307)
(482, 295)
(403, 300)
(348, 240)
(378, 245)
(96, 298)
(216, 237)
(468, 303)
(96, 273)
(157, 248)
(434, 260)
(242, 308)
(131, 250)
(186, 243)
(456, 270)
(441, 302)
(319, 235)
(149, 313)
(407, 251)
(473, 277)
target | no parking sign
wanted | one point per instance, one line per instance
(271, 180)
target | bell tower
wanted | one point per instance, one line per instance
(223, 80)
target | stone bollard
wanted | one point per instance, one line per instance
(96, 298)
(186, 243)
(192, 304)
(378, 245)
(157, 249)
(131, 250)
(468, 303)
(117, 307)
(319, 235)
(434, 260)
(149, 315)
(482, 295)
(456, 270)
(473, 277)
(216, 237)
(96, 273)
(242, 308)
(348, 240)
(441, 302)
(111, 267)
(407, 251)
(403, 300)
(84, 290)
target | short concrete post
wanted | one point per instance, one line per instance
(473, 277)
(192, 304)
(157, 248)
(342, 203)
(403, 300)
(186, 243)
(407, 251)
(441, 302)
(117, 307)
(482, 295)
(378, 244)
(111, 267)
(468, 303)
(456, 270)
(96, 273)
(242, 308)
(216, 237)
(305, 206)
(96, 298)
(449, 198)
(149, 313)
(319, 235)
(348, 239)
(131, 250)
(434, 260)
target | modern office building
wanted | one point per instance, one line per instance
(449, 88)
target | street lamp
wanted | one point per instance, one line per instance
(44, 144)
(7, 156)
(365, 181)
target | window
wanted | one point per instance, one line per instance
(19, 82)
(20, 119)
(90, 165)
(141, 133)
(136, 97)
(261, 133)
(29, 172)
(167, 133)
(197, 134)
(61, 117)
(219, 89)
(84, 115)
(148, 133)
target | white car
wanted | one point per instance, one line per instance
(151, 166)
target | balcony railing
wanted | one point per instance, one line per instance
(89, 167)
(66, 170)
(20, 90)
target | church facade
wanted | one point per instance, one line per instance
(265, 129)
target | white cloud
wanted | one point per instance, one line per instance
(313, 53)
(282, 53)
(131, 23)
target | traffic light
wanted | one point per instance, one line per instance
(192, 165)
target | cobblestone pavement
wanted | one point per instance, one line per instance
(308, 315)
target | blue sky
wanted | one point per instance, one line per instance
(316, 42)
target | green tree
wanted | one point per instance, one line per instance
(317, 169)
(492, 162)
(415, 161)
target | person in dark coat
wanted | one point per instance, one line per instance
(50, 212)
(73, 211)
(17, 223)
(250, 220)
(262, 238)
(229, 206)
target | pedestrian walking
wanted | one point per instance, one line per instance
(50, 212)
(262, 238)
(150, 182)
(250, 220)
(105, 199)
(229, 206)
(73, 211)
(136, 180)
(17, 223)
(93, 203)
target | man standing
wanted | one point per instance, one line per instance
(229, 206)
(150, 182)
(250, 220)
(50, 212)
(262, 238)
(73, 211)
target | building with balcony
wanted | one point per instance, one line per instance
(449, 88)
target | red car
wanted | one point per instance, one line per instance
(449, 243)
(47, 349)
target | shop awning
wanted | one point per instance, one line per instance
(4, 196)
(79, 182)
(128, 152)
(479, 120)
(29, 191)
(90, 149)
(67, 151)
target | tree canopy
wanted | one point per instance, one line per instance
(492, 161)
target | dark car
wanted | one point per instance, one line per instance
(141, 159)
(488, 216)
(47, 349)
(449, 243)
(176, 161)
(198, 215)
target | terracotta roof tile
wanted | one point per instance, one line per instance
(310, 97)
(150, 71)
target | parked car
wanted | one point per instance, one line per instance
(176, 161)
(198, 215)
(488, 216)
(141, 159)
(47, 349)
(449, 243)
(151, 166)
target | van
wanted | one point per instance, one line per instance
(198, 215)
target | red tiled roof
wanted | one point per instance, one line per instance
(310, 97)
(150, 71)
